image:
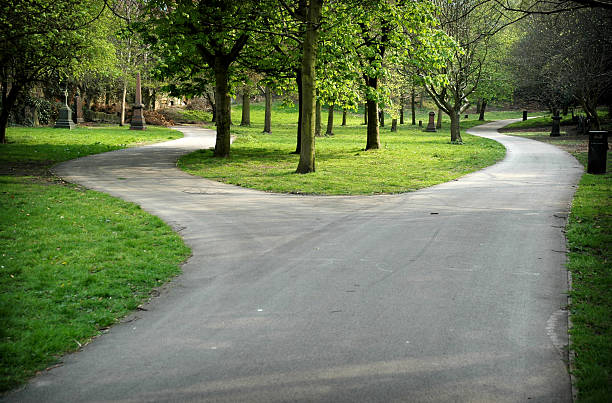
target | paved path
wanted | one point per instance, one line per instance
(449, 294)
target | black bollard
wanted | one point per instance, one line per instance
(598, 152)
(524, 116)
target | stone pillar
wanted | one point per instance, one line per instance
(556, 126)
(78, 103)
(64, 121)
(138, 120)
(431, 126)
(524, 116)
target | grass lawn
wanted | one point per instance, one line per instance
(409, 159)
(589, 235)
(72, 261)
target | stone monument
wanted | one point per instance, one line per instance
(138, 120)
(64, 121)
(431, 126)
(556, 125)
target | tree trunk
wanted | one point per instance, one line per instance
(318, 118)
(309, 61)
(439, 122)
(401, 115)
(298, 80)
(483, 107)
(268, 114)
(455, 128)
(381, 117)
(412, 107)
(373, 139)
(223, 104)
(8, 101)
(365, 114)
(393, 125)
(478, 105)
(246, 107)
(153, 99)
(122, 121)
(343, 117)
(330, 121)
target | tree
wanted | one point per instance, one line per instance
(41, 40)
(193, 36)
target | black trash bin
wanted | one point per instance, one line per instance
(598, 152)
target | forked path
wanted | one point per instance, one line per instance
(454, 293)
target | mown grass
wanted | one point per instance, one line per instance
(589, 236)
(409, 159)
(72, 261)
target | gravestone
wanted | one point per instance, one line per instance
(524, 116)
(598, 152)
(556, 125)
(64, 120)
(138, 120)
(431, 126)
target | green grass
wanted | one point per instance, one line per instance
(72, 261)
(408, 160)
(541, 121)
(589, 236)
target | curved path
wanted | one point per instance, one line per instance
(449, 294)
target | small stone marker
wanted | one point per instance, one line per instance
(524, 116)
(556, 125)
(138, 120)
(431, 126)
(598, 152)
(64, 121)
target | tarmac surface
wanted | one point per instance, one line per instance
(454, 293)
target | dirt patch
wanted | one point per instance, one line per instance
(26, 168)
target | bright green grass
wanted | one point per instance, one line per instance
(55, 145)
(589, 234)
(408, 160)
(72, 261)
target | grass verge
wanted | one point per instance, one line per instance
(72, 261)
(408, 159)
(589, 236)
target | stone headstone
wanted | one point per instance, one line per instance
(138, 120)
(556, 126)
(64, 120)
(431, 126)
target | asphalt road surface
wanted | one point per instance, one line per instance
(455, 293)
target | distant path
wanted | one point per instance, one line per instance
(448, 294)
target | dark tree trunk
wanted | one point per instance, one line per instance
(373, 139)
(483, 108)
(298, 80)
(318, 118)
(268, 113)
(412, 107)
(381, 117)
(565, 110)
(478, 105)
(246, 107)
(439, 122)
(343, 117)
(394, 125)
(8, 101)
(455, 127)
(401, 115)
(222, 100)
(330, 121)
(309, 61)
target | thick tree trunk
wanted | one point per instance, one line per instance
(455, 128)
(393, 125)
(401, 115)
(309, 61)
(413, 107)
(483, 107)
(373, 138)
(8, 101)
(223, 104)
(318, 118)
(381, 118)
(330, 121)
(298, 80)
(246, 107)
(343, 117)
(478, 105)
(268, 114)
(439, 122)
